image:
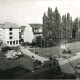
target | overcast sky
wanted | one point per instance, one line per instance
(24, 12)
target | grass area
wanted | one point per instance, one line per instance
(26, 62)
(43, 52)
(7, 64)
(75, 47)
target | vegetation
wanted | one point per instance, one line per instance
(57, 28)
(39, 41)
(26, 44)
(6, 48)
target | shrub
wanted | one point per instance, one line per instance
(26, 44)
(37, 63)
(4, 49)
(66, 51)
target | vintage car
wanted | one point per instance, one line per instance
(13, 54)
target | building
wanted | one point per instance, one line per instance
(10, 34)
(0, 33)
(22, 32)
(37, 29)
(28, 34)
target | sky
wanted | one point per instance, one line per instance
(24, 12)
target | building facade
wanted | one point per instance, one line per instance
(22, 32)
(37, 29)
(10, 34)
(1, 33)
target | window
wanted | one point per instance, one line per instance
(10, 37)
(11, 42)
(10, 33)
(36, 30)
(17, 42)
(10, 29)
(7, 42)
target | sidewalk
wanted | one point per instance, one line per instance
(42, 59)
(32, 55)
(64, 61)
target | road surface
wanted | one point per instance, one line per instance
(66, 66)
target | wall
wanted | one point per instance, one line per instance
(6, 35)
(0, 33)
(28, 34)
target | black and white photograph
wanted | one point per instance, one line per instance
(40, 39)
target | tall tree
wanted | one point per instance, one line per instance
(57, 25)
(64, 29)
(45, 27)
(75, 29)
(69, 27)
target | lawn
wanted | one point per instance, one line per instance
(25, 62)
(44, 51)
(7, 64)
(75, 47)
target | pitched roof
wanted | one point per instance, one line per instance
(36, 25)
(22, 26)
(10, 25)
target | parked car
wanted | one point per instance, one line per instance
(10, 56)
(19, 54)
(13, 54)
(77, 66)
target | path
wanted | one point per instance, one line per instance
(32, 55)
(64, 61)
(64, 64)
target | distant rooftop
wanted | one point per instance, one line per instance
(10, 25)
(36, 25)
(22, 26)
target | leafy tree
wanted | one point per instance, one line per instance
(38, 41)
(52, 27)
(63, 31)
(57, 29)
(75, 29)
(57, 25)
(45, 28)
(69, 27)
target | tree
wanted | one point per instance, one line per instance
(57, 25)
(75, 29)
(66, 28)
(52, 27)
(63, 31)
(69, 27)
(38, 41)
(45, 26)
